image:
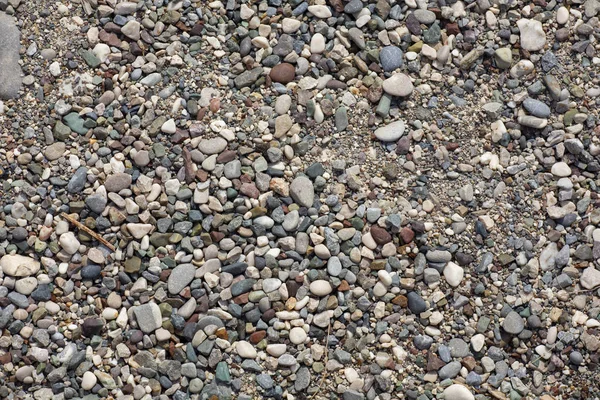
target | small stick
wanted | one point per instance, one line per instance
(326, 360)
(88, 230)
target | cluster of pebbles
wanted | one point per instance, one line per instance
(256, 199)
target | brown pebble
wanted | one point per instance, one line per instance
(283, 73)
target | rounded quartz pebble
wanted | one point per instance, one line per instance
(245, 349)
(298, 335)
(320, 288)
(458, 392)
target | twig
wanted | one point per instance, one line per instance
(326, 360)
(88, 230)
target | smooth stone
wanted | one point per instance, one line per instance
(453, 274)
(458, 392)
(398, 85)
(245, 349)
(522, 68)
(19, 266)
(532, 122)
(117, 182)
(320, 11)
(503, 58)
(297, 335)
(317, 44)
(562, 15)
(320, 288)
(55, 151)
(212, 146)
(26, 285)
(590, 278)
(283, 73)
(88, 381)
(390, 132)
(180, 277)
(424, 16)
(169, 126)
(69, 242)
(10, 72)
(513, 323)
(148, 317)
(536, 108)
(302, 191)
(390, 58)
(561, 169)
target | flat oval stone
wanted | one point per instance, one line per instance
(320, 288)
(536, 108)
(180, 277)
(390, 132)
(283, 73)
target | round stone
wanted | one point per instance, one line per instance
(19, 266)
(283, 73)
(513, 323)
(320, 288)
(453, 274)
(390, 58)
(298, 335)
(561, 169)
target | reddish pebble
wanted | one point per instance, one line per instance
(380, 235)
(283, 73)
(407, 235)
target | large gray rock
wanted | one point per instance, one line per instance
(302, 191)
(10, 70)
(181, 276)
(148, 317)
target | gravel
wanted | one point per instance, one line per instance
(276, 199)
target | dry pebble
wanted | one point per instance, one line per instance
(290, 200)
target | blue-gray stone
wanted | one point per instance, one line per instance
(77, 181)
(416, 304)
(423, 342)
(536, 108)
(264, 381)
(450, 370)
(390, 58)
(241, 287)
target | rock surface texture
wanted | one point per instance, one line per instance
(299, 200)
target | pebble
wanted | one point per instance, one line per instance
(320, 288)
(19, 266)
(302, 191)
(458, 392)
(398, 85)
(245, 349)
(390, 132)
(454, 274)
(533, 37)
(391, 58)
(561, 169)
(298, 335)
(513, 323)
